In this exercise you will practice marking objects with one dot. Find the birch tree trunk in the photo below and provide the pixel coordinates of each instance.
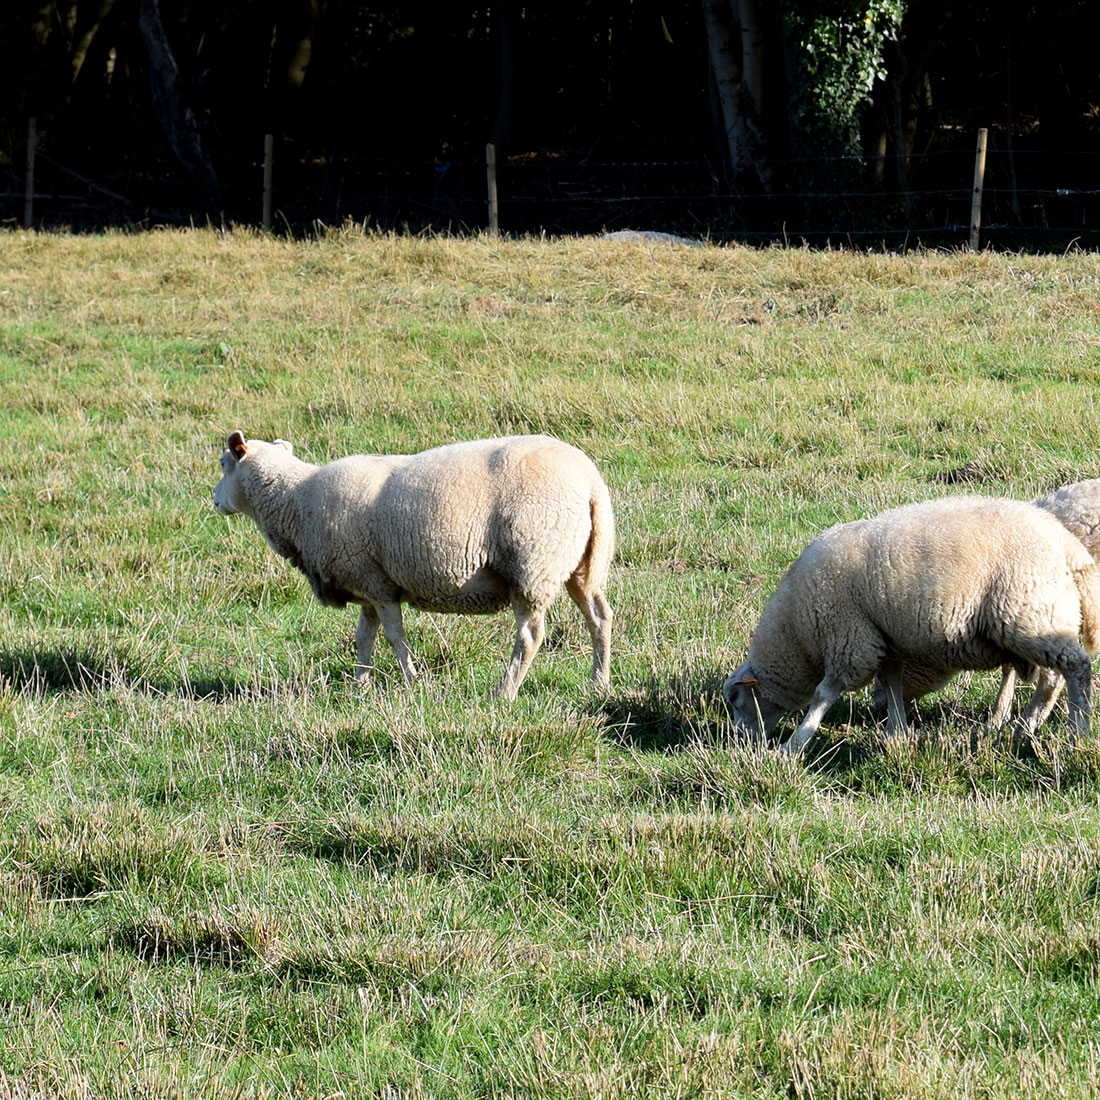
(735, 44)
(174, 113)
(725, 61)
(752, 88)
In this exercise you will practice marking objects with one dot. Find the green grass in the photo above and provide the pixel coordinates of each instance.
(227, 870)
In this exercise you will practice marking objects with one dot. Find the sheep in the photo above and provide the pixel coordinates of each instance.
(468, 529)
(1077, 506)
(959, 583)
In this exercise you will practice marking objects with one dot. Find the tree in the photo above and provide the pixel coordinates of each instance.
(839, 55)
(736, 49)
(171, 104)
(797, 83)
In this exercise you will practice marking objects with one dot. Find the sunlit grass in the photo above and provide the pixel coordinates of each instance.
(227, 870)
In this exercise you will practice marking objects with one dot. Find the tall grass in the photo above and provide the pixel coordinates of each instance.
(227, 870)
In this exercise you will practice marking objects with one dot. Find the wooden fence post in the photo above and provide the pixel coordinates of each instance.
(269, 157)
(491, 174)
(976, 201)
(28, 191)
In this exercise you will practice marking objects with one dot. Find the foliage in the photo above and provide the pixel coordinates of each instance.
(840, 55)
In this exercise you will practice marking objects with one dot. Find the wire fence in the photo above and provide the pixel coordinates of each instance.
(1032, 199)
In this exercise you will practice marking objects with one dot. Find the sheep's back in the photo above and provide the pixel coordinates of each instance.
(461, 526)
(1077, 507)
(943, 581)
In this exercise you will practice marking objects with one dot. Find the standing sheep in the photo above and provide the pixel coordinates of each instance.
(1077, 506)
(961, 583)
(469, 529)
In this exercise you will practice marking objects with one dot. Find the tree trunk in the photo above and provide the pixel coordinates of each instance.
(506, 37)
(170, 105)
(735, 43)
(725, 63)
(302, 54)
(752, 88)
(81, 45)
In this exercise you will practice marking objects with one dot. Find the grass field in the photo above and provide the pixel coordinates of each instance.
(226, 870)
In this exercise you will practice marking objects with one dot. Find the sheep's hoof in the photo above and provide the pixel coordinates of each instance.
(363, 678)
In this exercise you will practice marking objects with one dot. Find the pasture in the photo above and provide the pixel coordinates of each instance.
(226, 870)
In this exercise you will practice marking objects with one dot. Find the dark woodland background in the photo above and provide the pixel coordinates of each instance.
(832, 122)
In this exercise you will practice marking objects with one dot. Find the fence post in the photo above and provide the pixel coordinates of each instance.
(976, 201)
(28, 191)
(269, 157)
(491, 174)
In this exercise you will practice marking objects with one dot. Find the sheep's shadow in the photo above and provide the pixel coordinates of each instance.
(852, 735)
(672, 713)
(52, 671)
(57, 671)
(667, 713)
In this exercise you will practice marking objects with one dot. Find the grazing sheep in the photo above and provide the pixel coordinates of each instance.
(1077, 506)
(961, 583)
(468, 529)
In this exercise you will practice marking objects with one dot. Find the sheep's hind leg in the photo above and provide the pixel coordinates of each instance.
(1071, 660)
(890, 675)
(598, 615)
(390, 615)
(1076, 667)
(366, 631)
(530, 630)
(1048, 687)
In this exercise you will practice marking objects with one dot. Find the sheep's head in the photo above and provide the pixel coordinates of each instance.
(230, 494)
(228, 498)
(754, 715)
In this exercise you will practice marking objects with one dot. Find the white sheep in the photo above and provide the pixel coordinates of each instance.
(960, 583)
(469, 528)
(1077, 506)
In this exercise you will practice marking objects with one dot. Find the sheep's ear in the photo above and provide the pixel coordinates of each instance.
(236, 445)
(288, 446)
(748, 678)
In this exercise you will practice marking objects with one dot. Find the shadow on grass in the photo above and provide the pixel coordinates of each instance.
(951, 748)
(52, 670)
(673, 713)
(73, 670)
(852, 738)
(687, 709)
(668, 713)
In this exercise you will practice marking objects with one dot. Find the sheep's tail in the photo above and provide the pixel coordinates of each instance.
(595, 565)
(1088, 588)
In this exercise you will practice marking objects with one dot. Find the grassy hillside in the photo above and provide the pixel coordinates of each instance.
(226, 870)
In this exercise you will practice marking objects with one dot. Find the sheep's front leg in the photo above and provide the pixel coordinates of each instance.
(366, 631)
(890, 674)
(392, 627)
(530, 629)
(826, 694)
